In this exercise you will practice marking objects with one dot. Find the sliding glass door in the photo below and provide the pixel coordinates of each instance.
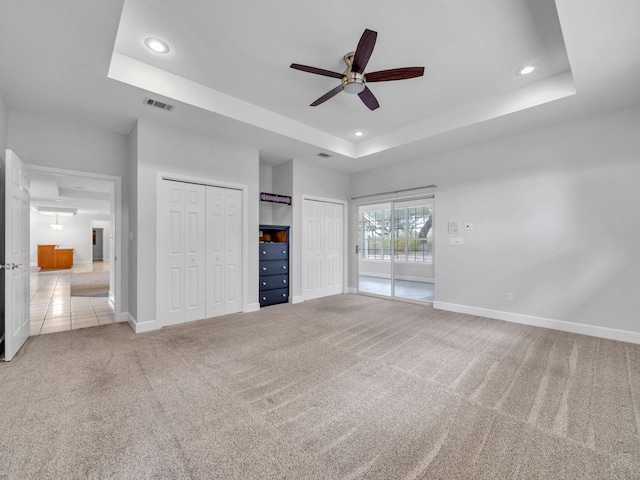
(396, 249)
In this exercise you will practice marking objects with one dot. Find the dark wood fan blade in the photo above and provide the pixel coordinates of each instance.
(364, 50)
(395, 74)
(327, 96)
(368, 99)
(317, 71)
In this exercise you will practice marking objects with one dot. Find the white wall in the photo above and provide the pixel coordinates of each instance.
(76, 234)
(47, 142)
(309, 179)
(555, 221)
(283, 185)
(4, 133)
(266, 185)
(169, 150)
(131, 234)
(4, 126)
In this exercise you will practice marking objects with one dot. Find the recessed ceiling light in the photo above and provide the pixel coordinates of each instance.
(358, 133)
(526, 70)
(156, 45)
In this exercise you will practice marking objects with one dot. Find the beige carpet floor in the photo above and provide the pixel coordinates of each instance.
(90, 284)
(346, 387)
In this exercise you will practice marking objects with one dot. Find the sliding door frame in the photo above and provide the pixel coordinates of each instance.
(392, 202)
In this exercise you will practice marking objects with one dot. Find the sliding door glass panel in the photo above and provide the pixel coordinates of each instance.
(413, 250)
(375, 249)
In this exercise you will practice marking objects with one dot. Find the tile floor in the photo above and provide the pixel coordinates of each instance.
(53, 309)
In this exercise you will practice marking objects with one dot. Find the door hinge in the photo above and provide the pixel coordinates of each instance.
(357, 249)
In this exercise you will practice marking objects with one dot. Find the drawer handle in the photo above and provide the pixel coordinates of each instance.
(284, 251)
(264, 269)
(284, 294)
(284, 267)
(264, 298)
(264, 253)
(264, 283)
(284, 281)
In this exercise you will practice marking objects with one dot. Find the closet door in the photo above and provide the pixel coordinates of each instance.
(194, 253)
(181, 243)
(323, 249)
(313, 249)
(333, 225)
(233, 251)
(224, 251)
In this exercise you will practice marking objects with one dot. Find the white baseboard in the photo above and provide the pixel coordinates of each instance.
(252, 307)
(297, 299)
(581, 328)
(140, 327)
(352, 290)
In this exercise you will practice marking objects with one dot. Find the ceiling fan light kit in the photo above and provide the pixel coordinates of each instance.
(353, 79)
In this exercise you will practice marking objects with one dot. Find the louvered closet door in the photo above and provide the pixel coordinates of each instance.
(181, 276)
(224, 251)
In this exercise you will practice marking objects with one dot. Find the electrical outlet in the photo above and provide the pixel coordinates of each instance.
(456, 241)
(509, 297)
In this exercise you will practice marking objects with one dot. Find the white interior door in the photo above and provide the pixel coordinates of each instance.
(224, 251)
(334, 234)
(194, 252)
(233, 250)
(181, 278)
(323, 249)
(16, 265)
(313, 249)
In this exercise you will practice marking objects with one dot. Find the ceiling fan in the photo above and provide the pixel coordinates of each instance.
(354, 79)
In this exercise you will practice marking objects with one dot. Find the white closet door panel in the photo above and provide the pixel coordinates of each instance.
(233, 250)
(215, 252)
(195, 252)
(334, 222)
(323, 247)
(313, 248)
(170, 269)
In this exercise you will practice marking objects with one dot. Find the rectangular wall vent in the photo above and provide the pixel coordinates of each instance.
(156, 103)
(324, 155)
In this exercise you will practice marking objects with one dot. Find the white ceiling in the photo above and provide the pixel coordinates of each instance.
(63, 192)
(228, 70)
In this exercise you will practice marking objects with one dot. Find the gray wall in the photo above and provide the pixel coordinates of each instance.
(170, 150)
(4, 133)
(555, 220)
(309, 179)
(43, 141)
(131, 234)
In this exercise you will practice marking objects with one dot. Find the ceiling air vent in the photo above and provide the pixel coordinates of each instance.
(324, 155)
(156, 103)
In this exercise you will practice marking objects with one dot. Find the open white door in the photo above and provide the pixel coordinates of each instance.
(16, 264)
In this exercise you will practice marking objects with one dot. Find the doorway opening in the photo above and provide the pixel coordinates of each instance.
(84, 290)
(395, 249)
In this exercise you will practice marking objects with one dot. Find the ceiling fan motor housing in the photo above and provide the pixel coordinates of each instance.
(352, 82)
